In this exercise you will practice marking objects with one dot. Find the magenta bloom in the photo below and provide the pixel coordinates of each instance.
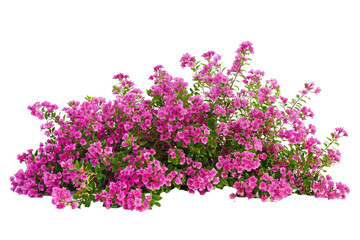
(204, 140)
(187, 60)
(108, 150)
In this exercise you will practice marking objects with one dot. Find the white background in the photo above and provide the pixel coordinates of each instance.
(64, 50)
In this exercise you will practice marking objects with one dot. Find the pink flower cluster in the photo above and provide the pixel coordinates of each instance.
(35, 109)
(61, 197)
(326, 188)
(227, 130)
(25, 184)
(187, 60)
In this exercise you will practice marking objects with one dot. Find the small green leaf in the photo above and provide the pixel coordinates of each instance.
(89, 165)
(211, 123)
(197, 150)
(123, 118)
(115, 168)
(224, 181)
(156, 197)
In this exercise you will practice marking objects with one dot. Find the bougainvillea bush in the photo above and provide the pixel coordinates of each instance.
(230, 128)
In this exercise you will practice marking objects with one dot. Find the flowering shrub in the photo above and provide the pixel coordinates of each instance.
(229, 129)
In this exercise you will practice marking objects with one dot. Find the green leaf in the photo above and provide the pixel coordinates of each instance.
(156, 197)
(115, 168)
(115, 161)
(212, 143)
(224, 181)
(99, 177)
(88, 98)
(197, 150)
(102, 167)
(123, 118)
(316, 177)
(149, 91)
(211, 123)
(57, 168)
(87, 203)
(220, 185)
(203, 152)
(170, 167)
(89, 165)
(179, 96)
(121, 156)
(176, 160)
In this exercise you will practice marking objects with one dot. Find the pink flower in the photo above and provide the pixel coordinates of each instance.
(83, 142)
(178, 181)
(304, 92)
(74, 205)
(120, 76)
(265, 177)
(225, 131)
(209, 187)
(196, 140)
(283, 99)
(204, 140)
(128, 126)
(275, 168)
(124, 144)
(108, 150)
(262, 186)
(111, 124)
(60, 205)
(147, 155)
(95, 127)
(187, 60)
(181, 135)
(172, 153)
(208, 55)
(236, 103)
(218, 165)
